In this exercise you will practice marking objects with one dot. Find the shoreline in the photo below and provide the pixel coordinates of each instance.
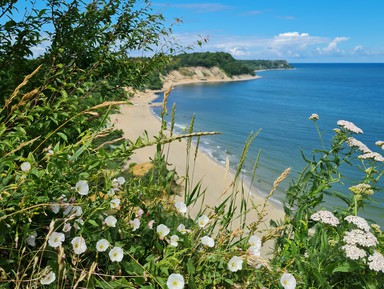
(134, 119)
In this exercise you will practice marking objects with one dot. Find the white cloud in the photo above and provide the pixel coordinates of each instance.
(332, 46)
(202, 7)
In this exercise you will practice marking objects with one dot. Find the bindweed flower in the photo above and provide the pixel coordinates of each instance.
(162, 230)
(135, 223)
(118, 182)
(82, 187)
(254, 251)
(202, 221)
(207, 241)
(175, 281)
(353, 252)
(360, 222)
(79, 246)
(139, 213)
(111, 192)
(314, 117)
(55, 208)
(362, 189)
(31, 239)
(376, 262)
(116, 254)
(288, 281)
(115, 203)
(181, 228)
(349, 126)
(174, 240)
(56, 239)
(25, 167)
(181, 207)
(325, 217)
(359, 237)
(110, 221)
(254, 241)
(48, 278)
(150, 224)
(102, 245)
(67, 227)
(235, 264)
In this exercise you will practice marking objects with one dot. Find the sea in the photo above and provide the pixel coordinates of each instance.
(277, 107)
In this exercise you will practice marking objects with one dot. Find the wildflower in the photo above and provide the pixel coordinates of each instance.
(111, 192)
(288, 281)
(115, 203)
(376, 228)
(55, 208)
(362, 189)
(79, 246)
(175, 281)
(349, 126)
(202, 221)
(116, 254)
(173, 240)
(207, 241)
(325, 217)
(360, 222)
(67, 227)
(56, 239)
(48, 278)
(110, 221)
(314, 117)
(254, 251)
(118, 182)
(150, 224)
(76, 210)
(354, 143)
(359, 237)
(82, 188)
(181, 228)
(372, 155)
(78, 222)
(162, 230)
(181, 207)
(139, 213)
(102, 245)
(235, 264)
(254, 241)
(135, 224)
(25, 167)
(376, 262)
(380, 143)
(353, 252)
(31, 239)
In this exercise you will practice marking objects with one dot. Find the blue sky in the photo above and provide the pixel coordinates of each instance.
(295, 30)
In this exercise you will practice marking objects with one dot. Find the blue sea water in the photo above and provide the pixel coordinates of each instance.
(279, 104)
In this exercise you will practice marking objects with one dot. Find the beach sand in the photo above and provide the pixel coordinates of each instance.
(134, 119)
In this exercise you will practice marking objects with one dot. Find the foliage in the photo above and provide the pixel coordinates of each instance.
(266, 64)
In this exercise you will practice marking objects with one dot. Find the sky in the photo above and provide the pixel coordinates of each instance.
(294, 30)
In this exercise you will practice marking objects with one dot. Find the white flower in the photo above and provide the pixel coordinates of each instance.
(82, 188)
(25, 167)
(254, 241)
(56, 239)
(175, 281)
(173, 240)
(116, 254)
(376, 262)
(360, 222)
(48, 278)
(235, 264)
(111, 192)
(121, 180)
(207, 241)
(79, 246)
(359, 237)
(181, 228)
(181, 207)
(31, 239)
(314, 116)
(67, 227)
(150, 224)
(354, 143)
(254, 250)
(102, 245)
(135, 224)
(115, 203)
(110, 221)
(202, 221)
(139, 213)
(372, 155)
(162, 230)
(288, 281)
(349, 126)
(362, 189)
(353, 252)
(325, 217)
(55, 208)
(78, 222)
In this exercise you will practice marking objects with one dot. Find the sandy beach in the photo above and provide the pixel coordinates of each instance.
(134, 119)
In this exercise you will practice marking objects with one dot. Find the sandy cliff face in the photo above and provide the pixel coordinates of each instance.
(199, 74)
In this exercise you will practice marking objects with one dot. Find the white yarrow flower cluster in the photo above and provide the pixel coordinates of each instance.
(235, 264)
(380, 143)
(373, 156)
(325, 217)
(175, 281)
(314, 117)
(349, 126)
(162, 231)
(207, 241)
(362, 189)
(288, 281)
(353, 252)
(360, 222)
(181, 207)
(354, 143)
(202, 221)
(376, 262)
(359, 237)
(254, 245)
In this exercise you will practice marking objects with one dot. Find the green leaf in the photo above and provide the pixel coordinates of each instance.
(346, 267)
(63, 136)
